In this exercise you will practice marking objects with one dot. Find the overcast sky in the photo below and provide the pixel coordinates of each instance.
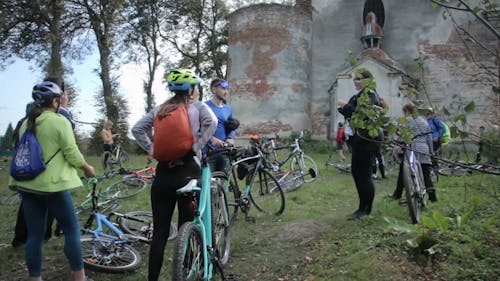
(17, 81)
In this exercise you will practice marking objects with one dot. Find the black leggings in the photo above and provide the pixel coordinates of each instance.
(163, 200)
(426, 171)
(363, 155)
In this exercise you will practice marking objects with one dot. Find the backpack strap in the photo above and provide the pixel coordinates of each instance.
(53, 155)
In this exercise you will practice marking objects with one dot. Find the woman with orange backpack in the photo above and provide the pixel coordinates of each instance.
(182, 126)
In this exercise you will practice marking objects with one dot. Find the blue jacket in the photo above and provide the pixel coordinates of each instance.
(437, 127)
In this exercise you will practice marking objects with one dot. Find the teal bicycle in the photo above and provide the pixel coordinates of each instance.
(202, 246)
(258, 186)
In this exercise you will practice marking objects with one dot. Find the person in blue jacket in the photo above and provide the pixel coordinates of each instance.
(221, 137)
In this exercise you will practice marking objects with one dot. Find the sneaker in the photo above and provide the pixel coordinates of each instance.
(357, 215)
(375, 177)
(393, 197)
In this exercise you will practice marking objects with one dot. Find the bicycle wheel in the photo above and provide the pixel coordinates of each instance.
(453, 171)
(188, 260)
(266, 193)
(306, 165)
(105, 255)
(412, 196)
(220, 224)
(289, 180)
(231, 192)
(125, 188)
(140, 223)
(105, 207)
(343, 168)
(124, 159)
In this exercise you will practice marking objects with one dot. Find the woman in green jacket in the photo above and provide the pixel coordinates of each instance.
(49, 191)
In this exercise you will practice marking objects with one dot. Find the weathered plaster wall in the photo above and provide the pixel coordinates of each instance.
(282, 64)
(269, 68)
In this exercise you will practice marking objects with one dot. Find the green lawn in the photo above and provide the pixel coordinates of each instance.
(313, 240)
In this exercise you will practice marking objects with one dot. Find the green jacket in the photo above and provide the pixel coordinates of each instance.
(54, 132)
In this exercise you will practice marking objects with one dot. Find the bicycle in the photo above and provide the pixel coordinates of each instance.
(107, 251)
(117, 158)
(140, 224)
(413, 181)
(202, 246)
(126, 187)
(299, 161)
(261, 188)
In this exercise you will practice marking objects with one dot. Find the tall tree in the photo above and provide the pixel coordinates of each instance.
(102, 18)
(41, 31)
(7, 140)
(200, 35)
(142, 42)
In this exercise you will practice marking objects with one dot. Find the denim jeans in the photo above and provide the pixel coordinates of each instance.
(36, 208)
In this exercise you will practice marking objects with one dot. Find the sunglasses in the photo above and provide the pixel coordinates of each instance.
(223, 84)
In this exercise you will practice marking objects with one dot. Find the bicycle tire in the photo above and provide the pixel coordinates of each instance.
(229, 188)
(343, 168)
(108, 206)
(125, 188)
(266, 193)
(107, 164)
(220, 224)
(188, 261)
(11, 199)
(140, 224)
(453, 171)
(124, 159)
(306, 167)
(414, 206)
(105, 255)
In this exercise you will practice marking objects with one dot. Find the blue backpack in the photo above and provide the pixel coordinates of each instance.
(27, 162)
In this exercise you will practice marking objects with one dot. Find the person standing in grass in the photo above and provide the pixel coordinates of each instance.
(422, 145)
(173, 174)
(364, 147)
(340, 141)
(49, 192)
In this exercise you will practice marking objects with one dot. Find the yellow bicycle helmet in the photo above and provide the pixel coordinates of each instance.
(182, 79)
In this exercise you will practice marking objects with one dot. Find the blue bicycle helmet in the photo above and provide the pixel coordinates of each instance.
(182, 79)
(45, 91)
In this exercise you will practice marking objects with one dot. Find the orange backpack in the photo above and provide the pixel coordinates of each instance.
(173, 138)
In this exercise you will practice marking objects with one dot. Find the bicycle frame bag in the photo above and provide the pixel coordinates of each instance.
(173, 138)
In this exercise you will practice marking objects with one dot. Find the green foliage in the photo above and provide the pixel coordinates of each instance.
(7, 140)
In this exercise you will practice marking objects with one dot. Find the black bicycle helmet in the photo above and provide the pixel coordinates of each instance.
(231, 124)
(45, 91)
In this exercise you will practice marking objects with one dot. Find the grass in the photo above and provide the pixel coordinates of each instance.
(313, 240)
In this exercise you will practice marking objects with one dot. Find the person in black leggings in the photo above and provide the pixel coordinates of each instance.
(173, 174)
(363, 147)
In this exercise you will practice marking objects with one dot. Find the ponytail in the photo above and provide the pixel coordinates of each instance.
(180, 99)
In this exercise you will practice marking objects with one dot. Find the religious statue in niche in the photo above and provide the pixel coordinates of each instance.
(372, 31)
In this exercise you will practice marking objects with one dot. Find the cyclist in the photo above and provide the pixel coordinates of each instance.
(224, 113)
(422, 145)
(108, 139)
(20, 231)
(48, 193)
(172, 175)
